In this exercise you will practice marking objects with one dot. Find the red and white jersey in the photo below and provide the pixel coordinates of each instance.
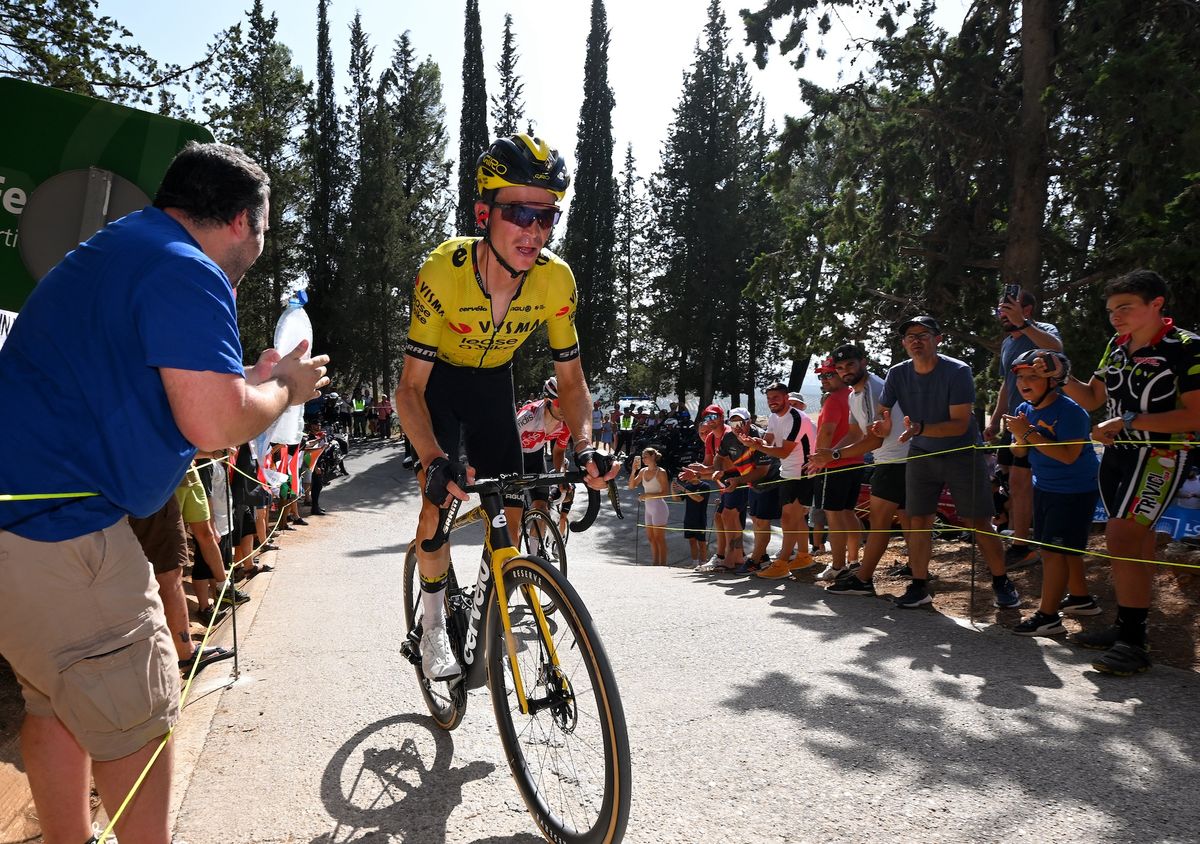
(532, 420)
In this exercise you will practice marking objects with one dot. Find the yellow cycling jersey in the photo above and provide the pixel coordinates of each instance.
(452, 314)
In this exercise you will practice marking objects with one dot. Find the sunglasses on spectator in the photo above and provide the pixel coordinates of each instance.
(524, 216)
(825, 376)
(919, 335)
(710, 417)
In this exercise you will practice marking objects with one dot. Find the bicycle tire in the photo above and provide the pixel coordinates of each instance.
(570, 757)
(446, 701)
(552, 547)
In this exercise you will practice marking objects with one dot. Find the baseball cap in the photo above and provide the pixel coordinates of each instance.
(927, 321)
(714, 409)
(740, 412)
(848, 351)
(824, 366)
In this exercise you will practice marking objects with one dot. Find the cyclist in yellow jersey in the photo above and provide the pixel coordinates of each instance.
(475, 301)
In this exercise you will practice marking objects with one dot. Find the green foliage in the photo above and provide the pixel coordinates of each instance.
(255, 98)
(65, 44)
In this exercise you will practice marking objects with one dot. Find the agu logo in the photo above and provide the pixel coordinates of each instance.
(460, 328)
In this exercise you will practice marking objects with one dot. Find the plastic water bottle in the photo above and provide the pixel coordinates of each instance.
(293, 327)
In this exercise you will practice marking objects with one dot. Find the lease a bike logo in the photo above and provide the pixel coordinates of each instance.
(460, 327)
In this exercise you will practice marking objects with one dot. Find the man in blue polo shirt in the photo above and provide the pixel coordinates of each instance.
(124, 360)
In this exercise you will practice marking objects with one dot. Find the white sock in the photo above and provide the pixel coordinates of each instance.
(434, 605)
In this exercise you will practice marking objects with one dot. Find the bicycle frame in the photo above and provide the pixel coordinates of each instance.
(489, 583)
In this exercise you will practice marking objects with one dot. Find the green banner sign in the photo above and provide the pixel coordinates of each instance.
(77, 164)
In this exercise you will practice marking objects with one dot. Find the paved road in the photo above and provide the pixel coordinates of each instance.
(757, 712)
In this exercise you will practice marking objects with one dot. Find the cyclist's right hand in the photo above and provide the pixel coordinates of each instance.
(444, 479)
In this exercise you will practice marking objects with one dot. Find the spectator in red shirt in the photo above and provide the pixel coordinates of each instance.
(836, 487)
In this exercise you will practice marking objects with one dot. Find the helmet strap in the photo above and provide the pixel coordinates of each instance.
(487, 238)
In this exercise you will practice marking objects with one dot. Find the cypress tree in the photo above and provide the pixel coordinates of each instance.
(590, 236)
(323, 148)
(472, 130)
(507, 107)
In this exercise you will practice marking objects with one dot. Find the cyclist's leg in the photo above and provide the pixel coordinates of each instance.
(490, 433)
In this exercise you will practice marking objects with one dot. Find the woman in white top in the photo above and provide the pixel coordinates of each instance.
(654, 482)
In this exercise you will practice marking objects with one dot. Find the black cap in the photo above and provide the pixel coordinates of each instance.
(927, 321)
(848, 351)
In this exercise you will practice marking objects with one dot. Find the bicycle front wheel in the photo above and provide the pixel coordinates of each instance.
(570, 753)
(447, 701)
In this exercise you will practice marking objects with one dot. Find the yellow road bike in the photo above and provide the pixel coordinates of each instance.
(523, 630)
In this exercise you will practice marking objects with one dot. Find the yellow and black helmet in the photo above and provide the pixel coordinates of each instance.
(522, 161)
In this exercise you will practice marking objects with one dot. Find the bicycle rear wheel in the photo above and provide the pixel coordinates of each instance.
(540, 538)
(570, 754)
(447, 701)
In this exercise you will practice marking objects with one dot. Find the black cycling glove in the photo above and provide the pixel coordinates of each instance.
(587, 454)
(438, 476)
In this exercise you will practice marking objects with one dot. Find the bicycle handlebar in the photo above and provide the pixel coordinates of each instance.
(516, 483)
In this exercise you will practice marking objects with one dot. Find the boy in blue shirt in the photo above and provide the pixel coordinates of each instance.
(1053, 431)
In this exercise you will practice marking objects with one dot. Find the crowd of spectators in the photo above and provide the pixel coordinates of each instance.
(887, 453)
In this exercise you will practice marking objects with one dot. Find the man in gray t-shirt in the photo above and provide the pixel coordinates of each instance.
(1022, 334)
(938, 397)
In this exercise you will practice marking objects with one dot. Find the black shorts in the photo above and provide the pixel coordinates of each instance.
(887, 482)
(205, 470)
(795, 491)
(472, 414)
(764, 502)
(837, 489)
(534, 463)
(1139, 483)
(736, 500)
(1064, 520)
(1006, 456)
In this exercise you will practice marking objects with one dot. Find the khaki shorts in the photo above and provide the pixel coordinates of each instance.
(192, 499)
(82, 625)
(163, 538)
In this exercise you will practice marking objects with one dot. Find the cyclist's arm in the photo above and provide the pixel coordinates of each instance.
(413, 412)
(574, 400)
(558, 457)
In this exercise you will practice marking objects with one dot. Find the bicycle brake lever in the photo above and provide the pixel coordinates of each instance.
(446, 517)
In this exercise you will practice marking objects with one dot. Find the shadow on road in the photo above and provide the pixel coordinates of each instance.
(394, 778)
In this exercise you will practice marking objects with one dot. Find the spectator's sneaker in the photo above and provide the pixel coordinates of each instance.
(712, 565)
(1021, 556)
(747, 567)
(300, 522)
(1005, 596)
(847, 571)
(900, 571)
(820, 547)
(851, 585)
(914, 596)
(1040, 624)
(1079, 605)
(830, 573)
(437, 656)
(1123, 660)
(234, 596)
(801, 562)
(1097, 640)
(777, 570)
(209, 615)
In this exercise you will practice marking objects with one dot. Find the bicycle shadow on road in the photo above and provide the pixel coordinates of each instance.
(394, 778)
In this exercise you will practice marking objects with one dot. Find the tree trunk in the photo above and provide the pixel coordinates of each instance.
(1022, 259)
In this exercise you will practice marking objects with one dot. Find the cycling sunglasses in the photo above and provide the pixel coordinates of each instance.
(524, 216)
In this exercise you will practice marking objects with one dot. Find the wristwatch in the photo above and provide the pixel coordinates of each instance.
(1128, 417)
(836, 454)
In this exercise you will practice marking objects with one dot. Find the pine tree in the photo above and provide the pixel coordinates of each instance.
(635, 334)
(473, 132)
(588, 244)
(507, 107)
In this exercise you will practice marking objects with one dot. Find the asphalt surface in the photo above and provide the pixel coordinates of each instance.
(757, 712)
